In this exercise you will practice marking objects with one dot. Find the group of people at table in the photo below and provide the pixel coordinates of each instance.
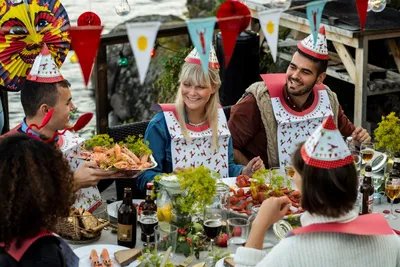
(290, 118)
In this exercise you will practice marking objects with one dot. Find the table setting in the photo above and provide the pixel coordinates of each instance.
(209, 237)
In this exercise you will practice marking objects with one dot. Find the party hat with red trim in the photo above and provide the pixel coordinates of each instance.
(325, 148)
(194, 58)
(44, 69)
(320, 50)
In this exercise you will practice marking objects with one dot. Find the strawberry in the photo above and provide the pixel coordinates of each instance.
(222, 240)
(237, 231)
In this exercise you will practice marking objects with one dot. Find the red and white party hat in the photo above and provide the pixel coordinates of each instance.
(194, 58)
(320, 50)
(44, 69)
(325, 148)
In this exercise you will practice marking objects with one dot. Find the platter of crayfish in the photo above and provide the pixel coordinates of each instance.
(246, 194)
(128, 159)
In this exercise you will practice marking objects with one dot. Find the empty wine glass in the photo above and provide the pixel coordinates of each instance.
(392, 189)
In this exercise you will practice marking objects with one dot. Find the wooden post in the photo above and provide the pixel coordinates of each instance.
(360, 84)
(395, 49)
(101, 90)
(346, 58)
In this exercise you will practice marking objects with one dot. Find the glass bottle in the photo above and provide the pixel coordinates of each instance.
(395, 172)
(149, 205)
(127, 221)
(367, 192)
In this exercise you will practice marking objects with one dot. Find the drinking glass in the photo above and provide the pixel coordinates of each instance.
(289, 171)
(148, 220)
(212, 225)
(165, 235)
(238, 231)
(392, 189)
(367, 151)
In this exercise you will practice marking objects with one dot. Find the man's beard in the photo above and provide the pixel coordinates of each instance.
(303, 91)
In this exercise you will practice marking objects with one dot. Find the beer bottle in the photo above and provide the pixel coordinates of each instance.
(395, 172)
(367, 192)
(127, 221)
(149, 205)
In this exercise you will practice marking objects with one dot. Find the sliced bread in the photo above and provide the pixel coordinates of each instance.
(126, 256)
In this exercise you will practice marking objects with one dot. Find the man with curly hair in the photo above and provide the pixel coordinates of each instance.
(33, 175)
(46, 89)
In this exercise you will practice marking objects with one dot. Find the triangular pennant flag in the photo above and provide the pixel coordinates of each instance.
(362, 6)
(314, 13)
(85, 42)
(233, 18)
(141, 37)
(201, 32)
(269, 21)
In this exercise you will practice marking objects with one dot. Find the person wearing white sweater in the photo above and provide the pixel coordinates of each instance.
(329, 191)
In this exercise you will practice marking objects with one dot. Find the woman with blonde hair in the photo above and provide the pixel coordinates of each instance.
(194, 131)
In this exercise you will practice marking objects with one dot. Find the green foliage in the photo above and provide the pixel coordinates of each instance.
(167, 83)
(137, 145)
(276, 182)
(99, 140)
(218, 3)
(218, 254)
(387, 133)
(199, 186)
(152, 259)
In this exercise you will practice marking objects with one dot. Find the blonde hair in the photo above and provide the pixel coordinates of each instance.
(193, 74)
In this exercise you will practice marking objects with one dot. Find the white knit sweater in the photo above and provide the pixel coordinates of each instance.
(325, 249)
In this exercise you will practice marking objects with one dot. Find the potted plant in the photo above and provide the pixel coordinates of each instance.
(387, 133)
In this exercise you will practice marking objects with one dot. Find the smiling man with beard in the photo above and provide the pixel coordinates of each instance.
(284, 109)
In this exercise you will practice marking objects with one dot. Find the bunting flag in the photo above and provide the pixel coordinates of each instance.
(201, 32)
(85, 41)
(362, 6)
(141, 37)
(233, 18)
(269, 21)
(314, 14)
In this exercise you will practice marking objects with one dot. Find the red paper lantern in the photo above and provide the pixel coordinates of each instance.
(89, 18)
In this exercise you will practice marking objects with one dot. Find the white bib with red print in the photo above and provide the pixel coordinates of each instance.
(295, 127)
(198, 152)
(88, 198)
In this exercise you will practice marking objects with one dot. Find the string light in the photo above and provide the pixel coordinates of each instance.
(123, 61)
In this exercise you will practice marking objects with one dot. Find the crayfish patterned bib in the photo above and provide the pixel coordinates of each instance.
(187, 154)
(295, 127)
(88, 198)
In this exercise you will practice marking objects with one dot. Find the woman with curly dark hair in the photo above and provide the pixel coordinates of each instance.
(36, 188)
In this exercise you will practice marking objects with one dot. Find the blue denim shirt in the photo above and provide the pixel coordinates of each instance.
(160, 143)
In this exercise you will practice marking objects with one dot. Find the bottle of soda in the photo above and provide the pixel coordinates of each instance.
(367, 192)
(149, 205)
(127, 221)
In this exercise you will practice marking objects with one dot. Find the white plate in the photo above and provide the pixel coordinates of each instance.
(220, 263)
(84, 253)
(112, 208)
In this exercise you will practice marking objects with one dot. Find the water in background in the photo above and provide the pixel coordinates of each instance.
(83, 98)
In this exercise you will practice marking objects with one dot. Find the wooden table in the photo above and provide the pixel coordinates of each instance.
(342, 37)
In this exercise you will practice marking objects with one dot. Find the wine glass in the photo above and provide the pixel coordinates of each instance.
(289, 171)
(148, 220)
(367, 151)
(212, 225)
(392, 189)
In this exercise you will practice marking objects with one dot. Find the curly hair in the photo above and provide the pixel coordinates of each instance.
(36, 187)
